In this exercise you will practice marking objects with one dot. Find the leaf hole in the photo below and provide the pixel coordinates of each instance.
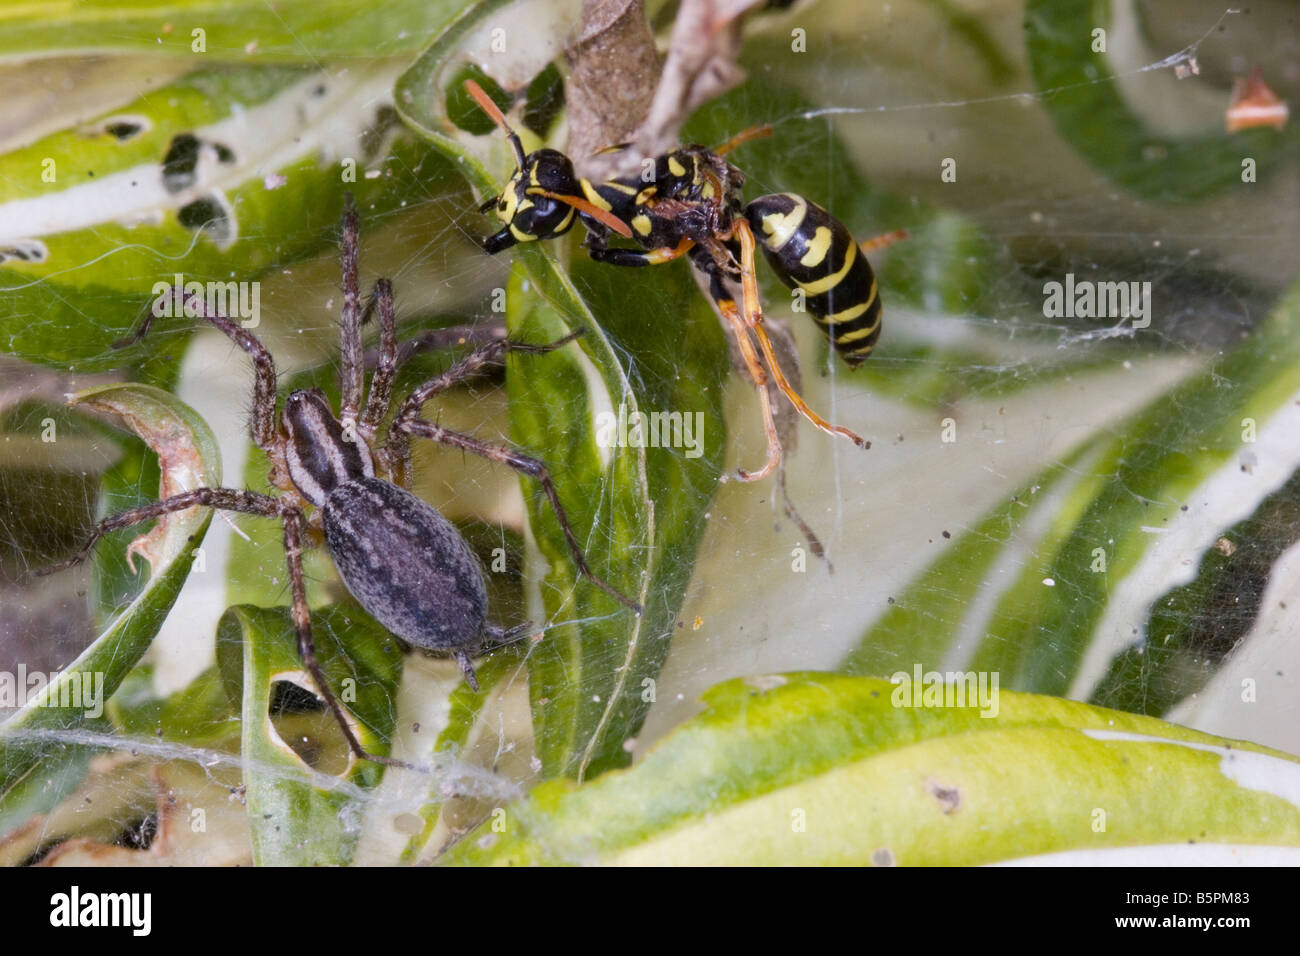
(305, 725)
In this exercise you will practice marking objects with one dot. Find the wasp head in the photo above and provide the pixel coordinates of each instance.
(533, 205)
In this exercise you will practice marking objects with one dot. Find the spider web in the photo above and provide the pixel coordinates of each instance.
(902, 90)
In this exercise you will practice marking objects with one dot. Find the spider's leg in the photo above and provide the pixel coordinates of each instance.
(497, 637)
(435, 340)
(501, 636)
(472, 364)
(381, 383)
(396, 443)
(467, 668)
(225, 499)
(754, 320)
(528, 466)
(350, 324)
(395, 449)
(262, 421)
(467, 367)
(391, 356)
(431, 340)
(293, 531)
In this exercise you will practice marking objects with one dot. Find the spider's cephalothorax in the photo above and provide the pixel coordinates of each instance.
(406, 564)
(688, 202)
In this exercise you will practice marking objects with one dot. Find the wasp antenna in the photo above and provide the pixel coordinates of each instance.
(491, 109)
(590, 209)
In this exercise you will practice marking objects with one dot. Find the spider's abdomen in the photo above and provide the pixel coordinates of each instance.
(405, 564)
(811, 250)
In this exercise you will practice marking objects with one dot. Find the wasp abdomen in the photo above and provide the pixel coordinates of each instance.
(811, 250)
(406, 564)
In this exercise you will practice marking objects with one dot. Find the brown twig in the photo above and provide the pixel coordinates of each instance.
(614, 66)
(700, 65)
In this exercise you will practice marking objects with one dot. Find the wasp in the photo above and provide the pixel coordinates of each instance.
(688, 203)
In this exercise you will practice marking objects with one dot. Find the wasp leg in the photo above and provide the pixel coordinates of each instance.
(759, 376)
(879, 242)
(726, 307)
(754, 320)
(637, 257)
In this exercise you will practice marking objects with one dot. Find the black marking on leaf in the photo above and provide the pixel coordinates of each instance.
(949, 798)
(25, 250)
(179, 166)
(213, 214)
(123, 130)
(199, 213)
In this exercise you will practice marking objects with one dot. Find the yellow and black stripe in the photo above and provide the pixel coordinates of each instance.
(810, 249)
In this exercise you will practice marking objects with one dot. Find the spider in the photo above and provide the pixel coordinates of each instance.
(405, 563)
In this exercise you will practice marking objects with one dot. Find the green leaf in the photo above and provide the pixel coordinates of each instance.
(198, 715)
(819, 769)
(304, 31)
(1087, 104)
(923, 624)
(224, 158)
(189, 458)
(433, 84)
(637, 511)
(301, 816)
(970, 28)
(1193, 628)
(1117, 488)
(43, 788)
(1039, 633)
